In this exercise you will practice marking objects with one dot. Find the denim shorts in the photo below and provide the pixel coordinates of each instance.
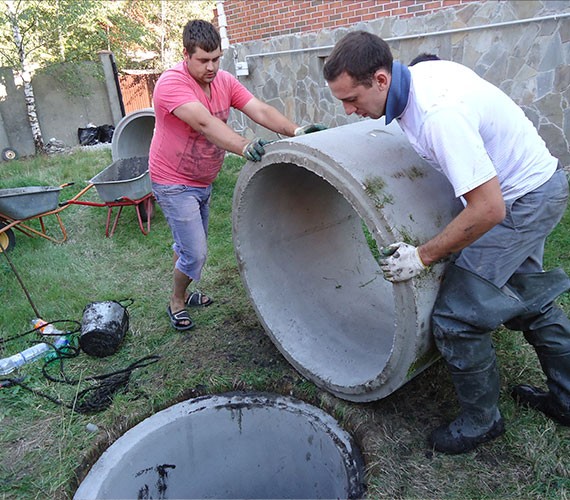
(516, 245)
(187, 210)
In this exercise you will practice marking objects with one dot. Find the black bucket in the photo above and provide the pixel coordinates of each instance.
(103, 328)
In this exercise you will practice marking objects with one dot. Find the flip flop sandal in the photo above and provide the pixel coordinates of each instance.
(180, 320)
(195, 299)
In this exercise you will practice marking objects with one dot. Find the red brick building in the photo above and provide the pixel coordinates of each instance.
(249, 20)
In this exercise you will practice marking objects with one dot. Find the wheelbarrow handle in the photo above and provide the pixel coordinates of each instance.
(78, 195)
(67, 184)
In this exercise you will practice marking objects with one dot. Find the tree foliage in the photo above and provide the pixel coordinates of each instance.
(142, 34)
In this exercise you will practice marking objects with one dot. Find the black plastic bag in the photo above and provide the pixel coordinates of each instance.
(105, 133)
(88, 136)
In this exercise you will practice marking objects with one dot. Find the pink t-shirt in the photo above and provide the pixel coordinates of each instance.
(179, 154)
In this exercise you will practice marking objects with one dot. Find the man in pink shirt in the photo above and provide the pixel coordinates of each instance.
(192, 103)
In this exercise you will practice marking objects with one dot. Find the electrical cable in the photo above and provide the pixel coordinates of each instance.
(90, 400)
(100, 395)
(66, 331)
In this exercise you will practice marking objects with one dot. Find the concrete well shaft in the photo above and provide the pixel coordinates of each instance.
(300, 222)
(235, 445)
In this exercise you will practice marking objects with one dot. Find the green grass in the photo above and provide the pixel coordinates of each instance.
(46, 448)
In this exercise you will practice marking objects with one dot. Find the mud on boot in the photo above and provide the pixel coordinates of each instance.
(543, 401)
(451, 439)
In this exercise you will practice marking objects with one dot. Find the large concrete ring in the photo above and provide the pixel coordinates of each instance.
(237, 445)
(133, 135)
(301, 219)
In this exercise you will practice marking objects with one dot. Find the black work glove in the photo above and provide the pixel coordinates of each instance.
(309, 129)
(254, 150)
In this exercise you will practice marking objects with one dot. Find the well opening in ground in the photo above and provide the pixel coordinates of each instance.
(239, 445)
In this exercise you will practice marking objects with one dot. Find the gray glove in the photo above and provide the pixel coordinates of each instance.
(309, 129)
(254, 150)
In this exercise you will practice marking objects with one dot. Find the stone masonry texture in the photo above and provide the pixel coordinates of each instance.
(522, 46)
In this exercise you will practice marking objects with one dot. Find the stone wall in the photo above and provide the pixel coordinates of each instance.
(523, 47)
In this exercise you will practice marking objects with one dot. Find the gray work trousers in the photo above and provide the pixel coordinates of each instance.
(516, 245)
(464, 318)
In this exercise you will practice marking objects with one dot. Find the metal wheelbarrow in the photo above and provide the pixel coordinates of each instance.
(19, 206)
(125, 182)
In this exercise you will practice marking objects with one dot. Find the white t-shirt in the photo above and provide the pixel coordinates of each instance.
(471, 131)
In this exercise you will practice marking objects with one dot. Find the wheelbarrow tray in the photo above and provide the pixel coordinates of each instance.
(125, 178)
(26, 202)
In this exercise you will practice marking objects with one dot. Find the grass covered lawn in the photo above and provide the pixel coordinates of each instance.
(47, 448)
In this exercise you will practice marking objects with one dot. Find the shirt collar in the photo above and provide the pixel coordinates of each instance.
(399, 91)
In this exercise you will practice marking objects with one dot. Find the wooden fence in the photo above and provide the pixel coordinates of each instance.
(137, 90)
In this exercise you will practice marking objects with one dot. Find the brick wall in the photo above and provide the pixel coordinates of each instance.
(249, 20)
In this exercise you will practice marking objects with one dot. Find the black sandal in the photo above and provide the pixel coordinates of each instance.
(180, 320)
(195, 299)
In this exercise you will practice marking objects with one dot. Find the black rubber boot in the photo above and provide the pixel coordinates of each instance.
(479, 420)
(445, 439)
(547, 328)
(533, 397)
(467, 309)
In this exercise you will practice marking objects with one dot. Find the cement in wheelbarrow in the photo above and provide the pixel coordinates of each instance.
(26, 202)
(125, 178)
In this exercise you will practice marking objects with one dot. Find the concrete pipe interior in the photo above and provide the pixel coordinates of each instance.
(250, 445)
(133, 135)
(301, 220)
(307, 268)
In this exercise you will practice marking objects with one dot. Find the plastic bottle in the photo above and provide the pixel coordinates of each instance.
(9, 364)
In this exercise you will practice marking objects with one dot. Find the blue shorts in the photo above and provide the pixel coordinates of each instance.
(187, 210)
(516, 245)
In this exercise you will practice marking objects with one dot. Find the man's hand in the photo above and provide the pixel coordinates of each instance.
(308, 129)
(254, 150)
(400, 262)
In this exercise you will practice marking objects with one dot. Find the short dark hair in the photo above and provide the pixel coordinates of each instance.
(360, 54)
(202, 34)
(423, 57)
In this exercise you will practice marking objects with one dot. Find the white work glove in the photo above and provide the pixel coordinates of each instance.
(400, 262)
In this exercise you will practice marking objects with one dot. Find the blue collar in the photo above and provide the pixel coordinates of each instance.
(398, 92)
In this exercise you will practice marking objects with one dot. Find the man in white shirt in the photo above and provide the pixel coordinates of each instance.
(514, 193)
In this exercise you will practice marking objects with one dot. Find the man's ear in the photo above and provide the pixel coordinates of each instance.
(185, 54)
(382, 79)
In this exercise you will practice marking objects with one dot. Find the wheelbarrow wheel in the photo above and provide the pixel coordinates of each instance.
(7, 238)
(147, 215)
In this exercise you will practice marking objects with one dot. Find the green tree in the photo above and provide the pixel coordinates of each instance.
(142, 34)
(163, 22)
(21, 27)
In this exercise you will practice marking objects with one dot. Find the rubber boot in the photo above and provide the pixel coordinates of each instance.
(467, 309)
(547, 328)
(479, 420)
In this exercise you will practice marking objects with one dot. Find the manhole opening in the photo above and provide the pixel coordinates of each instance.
(238, 445)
